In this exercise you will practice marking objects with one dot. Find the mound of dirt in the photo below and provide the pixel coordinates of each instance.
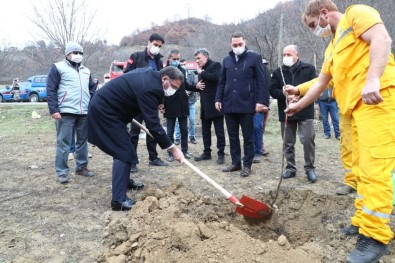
(175, 225)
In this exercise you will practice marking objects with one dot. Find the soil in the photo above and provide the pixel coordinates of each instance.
(179, 217)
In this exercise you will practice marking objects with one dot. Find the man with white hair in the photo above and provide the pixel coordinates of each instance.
(295, 72)
(69, 89)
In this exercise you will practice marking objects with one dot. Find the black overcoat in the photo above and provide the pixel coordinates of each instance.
(210, 77)
(115, 105)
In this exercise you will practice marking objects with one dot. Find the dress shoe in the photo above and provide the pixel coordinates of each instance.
(311, 176)
(133, 168)
(221, 159)
(122, 206)
(157, 162)
(245, 172)
(202, 157)
(187, 155)
(84, 172)
(289, 174)
(134, 185)
(193, 140)
(232, 168)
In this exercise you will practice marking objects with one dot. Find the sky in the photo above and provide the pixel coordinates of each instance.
(119, 18)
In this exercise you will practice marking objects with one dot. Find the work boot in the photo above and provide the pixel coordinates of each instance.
(345, 190)
(367, 250)
(350, 230)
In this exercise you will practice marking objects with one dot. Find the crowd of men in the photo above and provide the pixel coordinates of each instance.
(358, 71)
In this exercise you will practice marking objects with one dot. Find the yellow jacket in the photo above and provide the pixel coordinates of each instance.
(347, 57)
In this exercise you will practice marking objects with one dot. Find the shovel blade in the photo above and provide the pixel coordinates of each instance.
(253, 208)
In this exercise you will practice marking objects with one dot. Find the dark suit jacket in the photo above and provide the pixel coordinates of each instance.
(117, 103)
(242, 83)
(210, 77)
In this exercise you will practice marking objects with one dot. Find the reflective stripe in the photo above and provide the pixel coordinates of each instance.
(377, 214)
(359, 196)
(343, 34)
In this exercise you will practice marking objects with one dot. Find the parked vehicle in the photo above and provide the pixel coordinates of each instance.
(38, 88)
(116, 68)
(33, 90)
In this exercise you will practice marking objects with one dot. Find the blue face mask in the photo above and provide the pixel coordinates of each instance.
(174, 63)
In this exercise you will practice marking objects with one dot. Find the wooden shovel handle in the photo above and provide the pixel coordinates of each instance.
(228, 195)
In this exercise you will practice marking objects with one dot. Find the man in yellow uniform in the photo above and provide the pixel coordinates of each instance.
(359, 60)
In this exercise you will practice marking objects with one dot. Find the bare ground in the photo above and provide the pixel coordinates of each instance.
(178, 217)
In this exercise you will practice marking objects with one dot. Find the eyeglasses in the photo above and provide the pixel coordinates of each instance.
(107, 77)
(77, 53)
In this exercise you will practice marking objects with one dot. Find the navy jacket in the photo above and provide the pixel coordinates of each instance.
(295, 75)
(242, 83)
(140, 60)
(117, 103)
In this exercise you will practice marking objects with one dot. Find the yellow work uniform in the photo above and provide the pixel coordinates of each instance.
(345, 138)
(373, 126)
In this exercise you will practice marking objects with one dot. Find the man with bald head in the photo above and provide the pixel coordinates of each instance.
(295, 72)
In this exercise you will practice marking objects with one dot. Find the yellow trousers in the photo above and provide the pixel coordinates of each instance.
(373, 162)
(346, 148)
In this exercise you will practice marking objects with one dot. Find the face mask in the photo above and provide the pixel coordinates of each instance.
(174, 63)
(322, 31)
(77, 58)
(170, 90)
(154, 50)
(238, 50)
(288, 61)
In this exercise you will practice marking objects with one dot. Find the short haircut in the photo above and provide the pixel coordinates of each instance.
(314, 8)
(155, 36)
(173, 52)
(202, 51)
(295, 48)
(237, 35)
(172, 73)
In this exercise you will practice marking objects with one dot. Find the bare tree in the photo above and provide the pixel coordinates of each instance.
(61, 21)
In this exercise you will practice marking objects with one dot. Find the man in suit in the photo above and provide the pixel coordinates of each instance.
(138, 92)
(246, 92)
(208, 76)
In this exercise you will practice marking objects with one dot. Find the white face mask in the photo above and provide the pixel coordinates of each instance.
(77, 58)
(238, 50)
(322, 31)
(288, 61)
(170, 90)
(154, 50)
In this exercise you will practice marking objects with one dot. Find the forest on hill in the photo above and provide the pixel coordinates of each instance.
(267, 34)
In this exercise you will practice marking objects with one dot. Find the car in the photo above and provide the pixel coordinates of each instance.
(33, 90)
(38, 88)
(116, 68)
(6, 95)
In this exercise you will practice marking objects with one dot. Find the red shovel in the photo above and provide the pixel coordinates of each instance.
(246, 206)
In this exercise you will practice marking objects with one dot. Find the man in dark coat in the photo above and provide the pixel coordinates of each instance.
(138, 92)
(208, 76)
(176, 107)
(149, 57)
(295, 72)
(241, 92)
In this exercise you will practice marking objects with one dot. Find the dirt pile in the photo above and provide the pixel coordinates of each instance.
(175, 225)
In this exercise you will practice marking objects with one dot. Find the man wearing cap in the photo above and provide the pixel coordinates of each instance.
(69, 89)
